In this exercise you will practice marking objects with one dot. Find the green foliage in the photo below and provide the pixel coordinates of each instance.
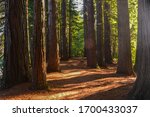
(133, 9)
(77, 30)
(133, 5)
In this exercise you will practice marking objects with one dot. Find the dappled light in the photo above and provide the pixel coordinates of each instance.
(77, 83)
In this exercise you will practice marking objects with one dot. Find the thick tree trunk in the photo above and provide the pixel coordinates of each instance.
(16, 67)
(141, 89)
(63, 32)
(91, 41)
(39, 66)
(100, 39)
(85, 25)
(124, 57)
(107, 31)
(52, 49)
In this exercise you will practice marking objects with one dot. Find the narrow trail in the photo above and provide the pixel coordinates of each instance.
(76, 81)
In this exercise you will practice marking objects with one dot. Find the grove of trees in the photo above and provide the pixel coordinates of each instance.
(36, 35)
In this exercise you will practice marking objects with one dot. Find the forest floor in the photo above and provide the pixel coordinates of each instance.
(76, 82)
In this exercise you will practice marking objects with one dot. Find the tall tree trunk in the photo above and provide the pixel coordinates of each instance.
(100, 39)
(63, 32)
(16, 66)
(85, 25)
(52, 49)
(39, 66)
(70, 28)
(91, 42)
(107, 31)
(124, 57)
(141, 89)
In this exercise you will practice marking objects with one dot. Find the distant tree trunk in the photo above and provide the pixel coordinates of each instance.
(70, 28)
(63, 32)
(16, 66)
(27, 21)
(91, 42)
(107, 31)
(141, 89)
(100, 41)
(39, 67)
(124, 57)
(52, 49)
(85, 25)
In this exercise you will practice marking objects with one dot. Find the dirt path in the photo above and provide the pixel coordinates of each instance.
(76, 82)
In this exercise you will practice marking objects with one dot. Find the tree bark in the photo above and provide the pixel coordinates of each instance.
(52, 49)
(91, 41)
(100, 39)
(85, 25)
(124, 55)
(39, 66)
(16, 61)
(63, 32)
(70, 28)
(141, 89)
(107, 33)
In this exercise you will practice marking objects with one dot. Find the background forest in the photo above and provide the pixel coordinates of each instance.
(77, 26)
(38, 37)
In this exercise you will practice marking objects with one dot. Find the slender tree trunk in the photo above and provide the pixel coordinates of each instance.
(63, 32)
(100, 39)
(107, 31)
(85, 25)
(53, 55)
(124, 56)
(16, 66)
(39, 66)
(70, 28)
(141, 89)
(91, 42)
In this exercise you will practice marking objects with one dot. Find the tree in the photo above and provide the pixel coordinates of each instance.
(100, 39)
(124, 57)
(39, 66)
(70, 27)
(141, 89)
(16, 61)
(85, 24)
(107, 33)
(91, 42)
(63, 31)
(52, 48)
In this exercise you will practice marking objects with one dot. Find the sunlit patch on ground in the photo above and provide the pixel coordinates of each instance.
(77, 82)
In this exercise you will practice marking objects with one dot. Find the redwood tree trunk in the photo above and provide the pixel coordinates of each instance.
(63, 32)
(52, 48)
(141, 89)
(91, 42)
(107, 32)
(70, 28)
(85, 25)
(39, 66)
(16, 66)
(124, 58)
(100, 39)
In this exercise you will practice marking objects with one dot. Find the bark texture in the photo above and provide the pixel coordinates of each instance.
(52, 48)
(63, 31)
(100, 36)
(91, 41)
(107, 33)
(124, 55)
(39, 66)
(141, 89)
(85, 25)
(70, 28)
(16, 61)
